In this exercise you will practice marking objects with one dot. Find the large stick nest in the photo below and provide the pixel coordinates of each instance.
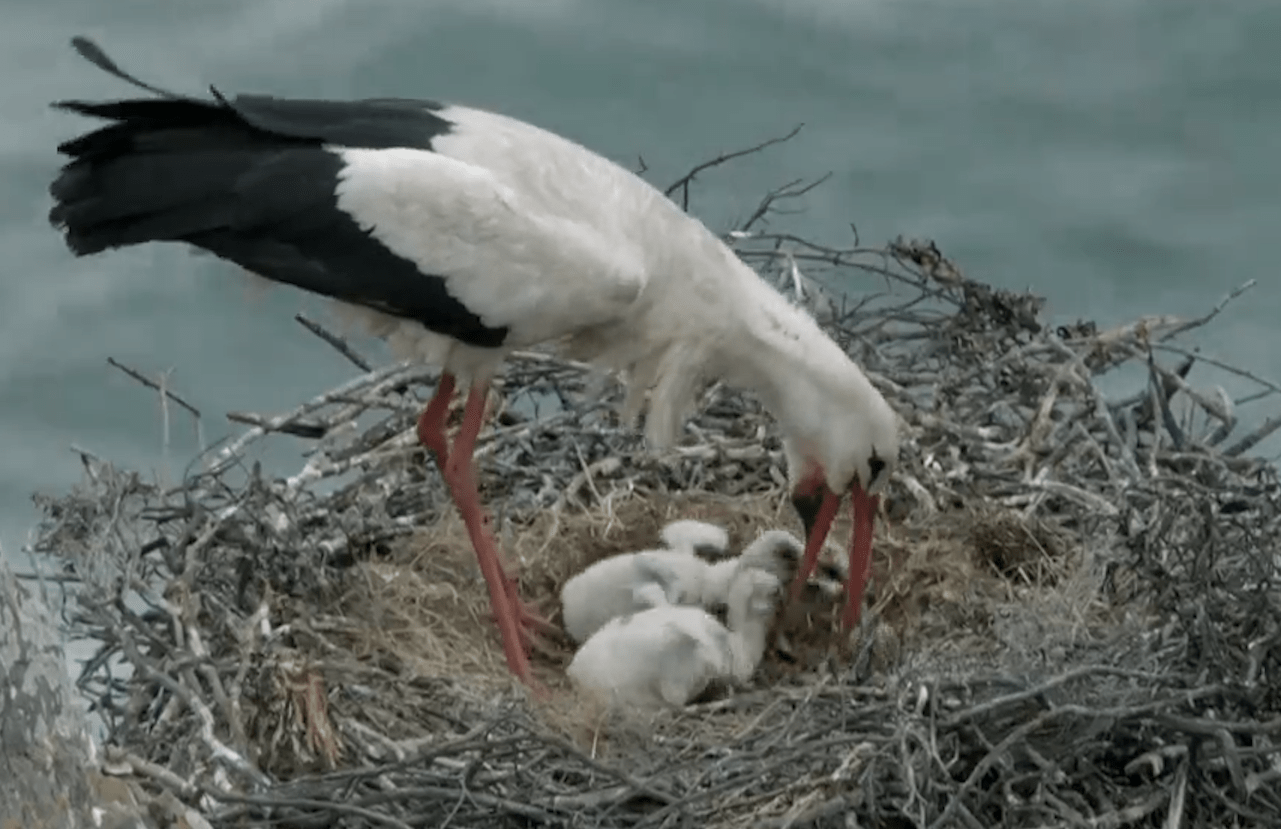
(1075, 616)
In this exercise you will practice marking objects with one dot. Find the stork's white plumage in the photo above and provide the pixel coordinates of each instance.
(669, 655)
(460, 235)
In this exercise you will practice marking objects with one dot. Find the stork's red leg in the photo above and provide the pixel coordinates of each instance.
(509, 611)
(464, 444)
(431, 424)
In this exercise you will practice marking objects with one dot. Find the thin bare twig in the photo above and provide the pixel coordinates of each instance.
(682, 184)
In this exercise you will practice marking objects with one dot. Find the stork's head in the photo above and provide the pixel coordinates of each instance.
(847, 444)
(839, 434)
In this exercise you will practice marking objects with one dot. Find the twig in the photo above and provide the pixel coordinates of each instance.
(275, 802)
(1184, 327)
(299, 429)
(152, 384)
(340, 344)
(1251, 440)
(686, 180)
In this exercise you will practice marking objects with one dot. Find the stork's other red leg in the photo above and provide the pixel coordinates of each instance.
(431, 424)
(510, 612)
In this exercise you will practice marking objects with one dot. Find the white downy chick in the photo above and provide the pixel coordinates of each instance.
(668, 655)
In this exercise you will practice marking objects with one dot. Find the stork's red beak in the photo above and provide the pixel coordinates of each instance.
(863, 508)
(816, 505)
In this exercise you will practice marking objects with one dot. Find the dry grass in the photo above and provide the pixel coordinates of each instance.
(947, 582)
(425, 605)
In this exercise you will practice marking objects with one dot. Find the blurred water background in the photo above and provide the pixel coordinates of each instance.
(1115, 156)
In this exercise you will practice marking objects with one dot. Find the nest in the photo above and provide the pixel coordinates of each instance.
(1074, 617)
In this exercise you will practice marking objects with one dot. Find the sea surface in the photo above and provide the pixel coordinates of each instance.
(1119, 157)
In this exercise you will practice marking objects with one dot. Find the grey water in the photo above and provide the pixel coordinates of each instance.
(1118, 157)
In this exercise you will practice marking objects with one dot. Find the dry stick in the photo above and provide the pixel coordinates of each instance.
(1184, 327)
(1246, 443)
(166, 394)
(398, 373)
(339, 343)
(792, 190)
(630, 782)
(480, 798)
(1049, 685)
(118, 757)
(305, 803)
(219, 750)
(164, 418)
(152, 384)
(1104, 414)
(1210, 406)
(310, 430)
(1116, 712)
(686, 180)
(1161, 399)
(1223, 429)
(1174, 818)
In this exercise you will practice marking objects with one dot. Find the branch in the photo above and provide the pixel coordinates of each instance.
(686, 180)
(339, 343)
(152, 384)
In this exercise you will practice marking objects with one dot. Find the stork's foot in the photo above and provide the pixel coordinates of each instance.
(532, 619)
(533, 626)
(530, 615)
(512, 617)
(533, 639)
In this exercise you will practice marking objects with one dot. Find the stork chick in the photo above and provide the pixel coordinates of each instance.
(668, 655)
(696, 537)
(629, 582)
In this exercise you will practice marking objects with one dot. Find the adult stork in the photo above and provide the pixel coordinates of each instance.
(460, 235)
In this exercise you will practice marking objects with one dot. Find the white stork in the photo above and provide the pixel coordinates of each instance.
(461, 235)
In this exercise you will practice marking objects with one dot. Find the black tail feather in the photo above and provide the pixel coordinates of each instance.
(164, 168)
(93, 53)
(254, 180)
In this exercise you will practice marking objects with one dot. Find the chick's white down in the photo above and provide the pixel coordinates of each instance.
(627, 583)
(668, 655)
(696, 537)
(774, 551)
(631, 582)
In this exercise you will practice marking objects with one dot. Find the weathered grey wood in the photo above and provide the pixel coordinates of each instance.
(47, 776)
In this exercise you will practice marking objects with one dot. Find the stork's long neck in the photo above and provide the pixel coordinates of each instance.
(718, 320)
(777, 351)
